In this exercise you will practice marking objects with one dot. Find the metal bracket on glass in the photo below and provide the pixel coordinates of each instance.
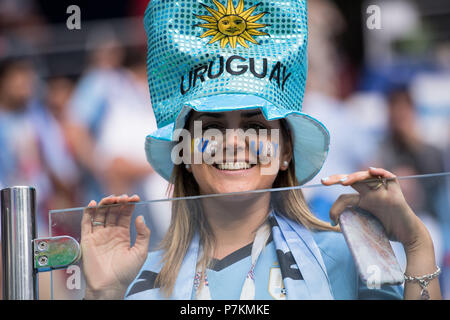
(55, 253)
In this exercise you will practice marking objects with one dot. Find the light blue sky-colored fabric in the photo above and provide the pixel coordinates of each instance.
(340, 271)
(227, 283)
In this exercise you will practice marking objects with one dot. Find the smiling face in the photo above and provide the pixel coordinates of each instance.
(239, 169)
(232, 25)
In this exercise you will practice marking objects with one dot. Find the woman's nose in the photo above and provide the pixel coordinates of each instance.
(235, 142)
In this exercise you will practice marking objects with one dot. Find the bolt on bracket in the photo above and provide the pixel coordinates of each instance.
(55, 253)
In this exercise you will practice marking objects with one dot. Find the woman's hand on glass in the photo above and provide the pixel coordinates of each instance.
(109, 262)
(384, 199)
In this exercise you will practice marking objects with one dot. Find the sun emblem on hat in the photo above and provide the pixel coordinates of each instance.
(232, 25)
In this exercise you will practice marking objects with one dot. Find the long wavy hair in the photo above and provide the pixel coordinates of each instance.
(188, 218)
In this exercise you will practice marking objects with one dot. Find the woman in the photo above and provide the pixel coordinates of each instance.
(231, 83)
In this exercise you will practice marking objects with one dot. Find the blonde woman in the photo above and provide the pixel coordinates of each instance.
(221, 70)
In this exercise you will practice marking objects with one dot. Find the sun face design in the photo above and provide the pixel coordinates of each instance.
(232, 25)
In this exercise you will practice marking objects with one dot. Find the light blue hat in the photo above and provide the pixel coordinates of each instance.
(220, 55)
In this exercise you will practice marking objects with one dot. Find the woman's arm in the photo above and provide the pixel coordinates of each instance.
(386, 202)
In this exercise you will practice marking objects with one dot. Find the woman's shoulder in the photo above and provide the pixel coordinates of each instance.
(342, 271)
(332, 244)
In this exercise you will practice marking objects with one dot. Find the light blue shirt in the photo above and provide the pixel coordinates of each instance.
(226, 278)
(227, 282)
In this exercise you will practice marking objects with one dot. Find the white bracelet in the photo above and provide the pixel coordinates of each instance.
(423, 282)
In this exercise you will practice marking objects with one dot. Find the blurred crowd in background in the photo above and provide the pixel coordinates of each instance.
(75, 107)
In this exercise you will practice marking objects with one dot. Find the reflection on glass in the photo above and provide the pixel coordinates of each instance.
(69, 283)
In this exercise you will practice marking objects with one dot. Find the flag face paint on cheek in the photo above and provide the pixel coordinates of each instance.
(210, 150)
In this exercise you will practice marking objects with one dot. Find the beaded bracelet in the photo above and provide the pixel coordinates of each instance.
(423, 282)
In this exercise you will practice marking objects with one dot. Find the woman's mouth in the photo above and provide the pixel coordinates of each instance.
(233, 166)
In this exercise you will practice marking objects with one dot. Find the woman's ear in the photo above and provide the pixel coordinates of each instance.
(286, 148)
(285, 159)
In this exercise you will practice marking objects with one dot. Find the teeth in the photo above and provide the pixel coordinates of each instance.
(233, 166)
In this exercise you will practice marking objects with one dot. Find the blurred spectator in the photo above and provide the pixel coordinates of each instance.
(112, 113)
(22, 27)
(88, 107)
(62, 168)
(405, 153)
(404, 147)
(323, 57)
(323, 100)
(21, 157)
(128, 120)
(34, 151)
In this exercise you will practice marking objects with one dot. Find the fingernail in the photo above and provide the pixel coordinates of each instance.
(325, 179)
(333, 223)
(343, 179)
(372, 168)
(123, 196)
(143, 219)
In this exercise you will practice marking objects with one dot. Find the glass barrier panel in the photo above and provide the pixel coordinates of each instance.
(357, 238)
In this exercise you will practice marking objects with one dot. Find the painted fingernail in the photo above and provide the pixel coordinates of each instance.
(333, 223)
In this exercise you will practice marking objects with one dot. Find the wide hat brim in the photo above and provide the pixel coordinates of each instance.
(310, 137)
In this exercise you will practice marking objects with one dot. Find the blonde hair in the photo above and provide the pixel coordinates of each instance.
(188, 218)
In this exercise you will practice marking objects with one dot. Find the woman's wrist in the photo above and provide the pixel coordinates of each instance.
(421, 242)
(421, 262)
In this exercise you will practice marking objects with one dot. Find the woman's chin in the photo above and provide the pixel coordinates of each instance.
(236, 193)
(235, 188)
(235, 185)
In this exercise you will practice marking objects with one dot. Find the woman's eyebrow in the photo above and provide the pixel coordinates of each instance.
(250, 114)
(219, 115)
(216, 115)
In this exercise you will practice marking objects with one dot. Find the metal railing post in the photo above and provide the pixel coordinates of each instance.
(18, 210)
